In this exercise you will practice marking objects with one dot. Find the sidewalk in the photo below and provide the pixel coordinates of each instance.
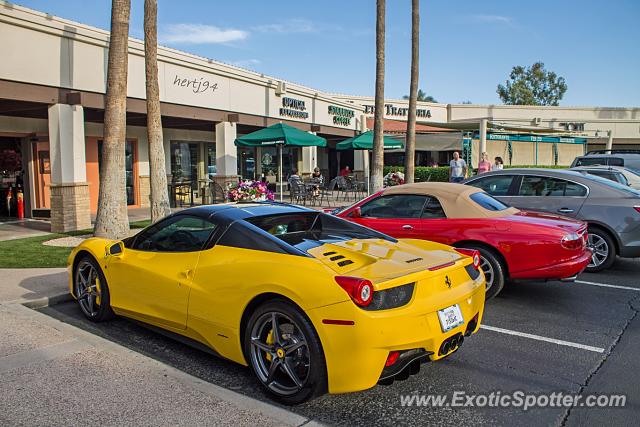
(13, 228)
(52, 373)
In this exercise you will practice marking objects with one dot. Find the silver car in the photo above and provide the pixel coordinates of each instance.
(612, 210)
(613, 173)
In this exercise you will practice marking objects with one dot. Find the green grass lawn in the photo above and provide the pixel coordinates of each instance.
(31, 253)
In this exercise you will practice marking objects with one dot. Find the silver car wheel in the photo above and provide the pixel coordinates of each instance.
(487, 269)
(599, 249)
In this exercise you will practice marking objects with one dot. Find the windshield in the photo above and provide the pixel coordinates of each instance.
(306, 230)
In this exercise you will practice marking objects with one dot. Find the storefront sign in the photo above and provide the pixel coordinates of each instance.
(392, 110)
(196, 85)
(341, 116)
(294, 108)
(532, 138)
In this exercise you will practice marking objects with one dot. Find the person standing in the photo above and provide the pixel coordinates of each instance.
(457, 168)
(484, 165)
(498, 164)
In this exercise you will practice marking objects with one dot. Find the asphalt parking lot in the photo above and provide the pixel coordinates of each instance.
(581, 337)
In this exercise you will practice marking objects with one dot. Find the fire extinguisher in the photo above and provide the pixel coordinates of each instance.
(9, 197)
(20, 202)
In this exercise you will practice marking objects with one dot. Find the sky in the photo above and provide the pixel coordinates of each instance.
(467, 47)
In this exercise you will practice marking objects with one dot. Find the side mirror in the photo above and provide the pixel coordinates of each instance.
(356, 213)
(115, 249)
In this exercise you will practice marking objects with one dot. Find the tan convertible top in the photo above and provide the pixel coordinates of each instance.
(454, 199)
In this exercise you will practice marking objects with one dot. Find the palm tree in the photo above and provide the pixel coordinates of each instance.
(410, 146)
(422, 96)
(377, 155)
(112, 220)
(157, 169)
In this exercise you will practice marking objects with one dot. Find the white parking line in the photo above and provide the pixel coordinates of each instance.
(541, 338)
(604, 285)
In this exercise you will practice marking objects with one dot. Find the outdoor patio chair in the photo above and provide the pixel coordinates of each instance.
(298, 192)
(326, 193)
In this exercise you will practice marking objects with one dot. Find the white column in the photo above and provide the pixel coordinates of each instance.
(70, 209)
(67, 144)
(610, 140)
(226, 151)
(483, 138)
(309, 159)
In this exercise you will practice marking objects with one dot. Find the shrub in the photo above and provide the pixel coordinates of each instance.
(441, 174)
(424, 173)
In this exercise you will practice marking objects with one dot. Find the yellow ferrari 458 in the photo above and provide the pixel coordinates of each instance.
(311, 302)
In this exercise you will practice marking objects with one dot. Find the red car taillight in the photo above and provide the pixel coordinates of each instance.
(637, 208)
(392, 358)
(473, 253)
(572, 242)
(360, 290)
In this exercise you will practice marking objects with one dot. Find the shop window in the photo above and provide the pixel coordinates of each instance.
(184, 161)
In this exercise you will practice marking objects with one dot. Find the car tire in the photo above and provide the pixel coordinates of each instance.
(492, 267)
(263, 349)
(600, 241)
(91, 290)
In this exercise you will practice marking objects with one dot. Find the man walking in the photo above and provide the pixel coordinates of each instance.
(457, 168)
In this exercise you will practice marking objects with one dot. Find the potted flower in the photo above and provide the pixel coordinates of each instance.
(249, 191)
(393, 178)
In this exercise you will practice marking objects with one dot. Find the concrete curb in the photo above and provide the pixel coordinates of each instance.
(241, 401)
(45, 301)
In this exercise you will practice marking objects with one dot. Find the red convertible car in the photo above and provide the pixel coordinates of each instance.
(513, 244)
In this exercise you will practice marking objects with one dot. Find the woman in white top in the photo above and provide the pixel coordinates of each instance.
(498, 165)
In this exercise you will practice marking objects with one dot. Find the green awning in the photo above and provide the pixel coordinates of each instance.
(280, 134)
(364, 141)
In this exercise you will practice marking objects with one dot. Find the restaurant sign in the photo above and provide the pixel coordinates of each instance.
(294, 108)
(341, 116)
(392, 110)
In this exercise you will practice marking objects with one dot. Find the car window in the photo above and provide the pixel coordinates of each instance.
(604, 174)
(182, 233)
(591, 161)
(550, 187)
(497, 185)
(243, 236)
(488, 202)
(396, 206)
(433, 209)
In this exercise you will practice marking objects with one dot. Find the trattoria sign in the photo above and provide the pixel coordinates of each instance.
(392, 110)
(341, 116)
(294, 108)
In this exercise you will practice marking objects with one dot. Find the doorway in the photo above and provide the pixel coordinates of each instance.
(11, 175)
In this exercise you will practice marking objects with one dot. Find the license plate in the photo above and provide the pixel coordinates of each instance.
(450, 317)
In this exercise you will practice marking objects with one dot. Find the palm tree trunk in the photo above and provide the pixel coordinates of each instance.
(112, 220)
(410, 146)
(157, 169)
(378, 115)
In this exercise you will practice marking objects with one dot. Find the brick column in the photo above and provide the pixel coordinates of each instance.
(70, 209)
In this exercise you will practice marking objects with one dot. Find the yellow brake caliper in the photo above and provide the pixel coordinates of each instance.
(98, 290)
(269, 341)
